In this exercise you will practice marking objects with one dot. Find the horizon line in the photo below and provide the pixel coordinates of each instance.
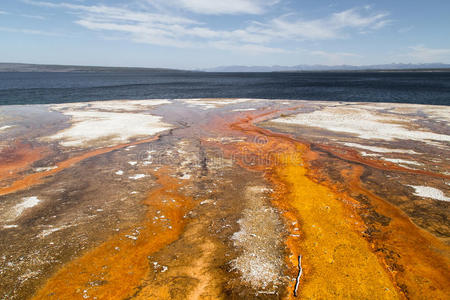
(205, 69)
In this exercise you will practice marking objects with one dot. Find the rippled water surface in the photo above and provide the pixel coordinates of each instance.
(408, 87)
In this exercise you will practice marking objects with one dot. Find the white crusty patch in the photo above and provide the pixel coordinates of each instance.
(363, 123)
(26, 203)
(429, 192)
(401, 161)
(185, 176)
(137, 176)
(44, 169)
(379, 149)
(52, 229)
(244, 109)
(257, 263)
(120, 172)
(259, 241)
(5, 127)
(114, 105)
(111, 127)
(440, 113)
(10, 226)
(364, 153)
(213, 103)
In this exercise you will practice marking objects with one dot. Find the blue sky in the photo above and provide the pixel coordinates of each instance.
(208, 33)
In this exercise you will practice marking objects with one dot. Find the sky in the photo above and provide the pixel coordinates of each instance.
(192, 34)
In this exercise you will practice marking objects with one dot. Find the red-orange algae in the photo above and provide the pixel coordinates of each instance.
(416, 261)
(303, 202)
(19, 157)
(116, 268)
(354, 156)
(36, 178)
(413, 263)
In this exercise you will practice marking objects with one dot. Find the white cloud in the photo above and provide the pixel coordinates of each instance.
(249, 48)
(354, 18)
(33, 17)
(29, 31)
(160, 29)
(2, 12)
(422, 54)
(196, 6)
(100, 12)
(334, 57)
(300, 29)
(405, 29)
(333, 27)
(160, 25)
(226, 7)
(156, 34)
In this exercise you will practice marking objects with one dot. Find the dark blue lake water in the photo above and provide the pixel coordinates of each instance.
(407, 87)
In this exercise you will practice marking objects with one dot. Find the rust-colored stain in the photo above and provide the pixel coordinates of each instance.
(402, 261)
(354, 156)
(320, 225)
(18, 157)
(330, 241)
(417, 260)
(36, 178)
(325, 223)
(115, 269)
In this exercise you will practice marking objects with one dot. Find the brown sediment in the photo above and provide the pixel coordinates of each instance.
(191, 273)
(115, 269)
(353, 156)
(337, 260)
(19, 157)
(343, 255)
(36, 178)
(417, 260)
(332, 237)
(320, 228)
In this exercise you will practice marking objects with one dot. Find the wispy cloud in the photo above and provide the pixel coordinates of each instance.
(405, 29)
(224, 7)
(422, 54)
(115, 13)
(2, 12)
(334, 57)
(162, 26)
(358, 18)
(249, 48)
(32, 17)
(338, 25)
(29, 31)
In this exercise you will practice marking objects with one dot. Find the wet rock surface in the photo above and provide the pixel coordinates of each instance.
(216, 198)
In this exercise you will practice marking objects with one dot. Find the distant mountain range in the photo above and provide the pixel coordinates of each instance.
(300, 68)
(20, 67)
